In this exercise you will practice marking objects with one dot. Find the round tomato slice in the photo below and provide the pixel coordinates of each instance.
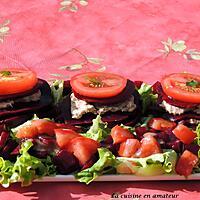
(98, 84)
(182, 86)
(14, 81)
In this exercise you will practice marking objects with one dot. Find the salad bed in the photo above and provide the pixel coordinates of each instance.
(147, 142)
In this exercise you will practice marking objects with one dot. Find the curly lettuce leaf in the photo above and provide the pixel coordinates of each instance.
(147, 96)
(198, 137)
(155, 164)
(98, 131)
(57, 88)
(104, 165)
(26, 168)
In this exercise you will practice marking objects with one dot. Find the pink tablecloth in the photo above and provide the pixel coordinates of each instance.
(125, 37)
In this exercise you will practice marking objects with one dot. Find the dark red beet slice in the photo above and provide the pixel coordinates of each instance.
(87, 119)
(157, 88)
(9, 147)
(3, 138)
(138, 83)
(186, 116)
(45, 101)
(65, 162)
(16, 121)
(125, 94)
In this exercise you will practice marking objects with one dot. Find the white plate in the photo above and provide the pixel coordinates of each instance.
(70, 178)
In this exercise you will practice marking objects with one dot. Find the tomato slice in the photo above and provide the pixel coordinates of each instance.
(184, 134)
(161, 124)
(182, 86)
(120, 134)
(186, 163)
(98, 84)
(14, 81)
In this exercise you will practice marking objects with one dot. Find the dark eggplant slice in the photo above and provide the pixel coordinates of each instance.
(157, 88)
(44, 102)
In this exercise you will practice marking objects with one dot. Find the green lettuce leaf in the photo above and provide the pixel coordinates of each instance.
(98, 131)
(57, 88)
(147, 96)
(155, 164)
(26, 168)
(104, 165)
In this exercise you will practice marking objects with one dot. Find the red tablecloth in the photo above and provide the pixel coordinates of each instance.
(45, 35)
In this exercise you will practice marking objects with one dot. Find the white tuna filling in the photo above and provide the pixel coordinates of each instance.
(80, 107)
(173, 109)
(34, 97)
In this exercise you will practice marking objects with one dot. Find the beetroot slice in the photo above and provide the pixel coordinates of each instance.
(157, 88)
(45, 100)
(125, 94)
(17, 120)
(182, 117)
(87, 119)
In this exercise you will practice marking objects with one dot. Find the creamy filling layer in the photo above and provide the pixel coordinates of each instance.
(31, 98)
(81, 107)
(177, 110)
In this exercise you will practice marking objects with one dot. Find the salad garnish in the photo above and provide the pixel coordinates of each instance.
(5, 73)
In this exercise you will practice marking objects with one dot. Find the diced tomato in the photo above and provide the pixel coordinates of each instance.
(129, 147)
(160, 124)
(83, 148)
(120, 134)
(63, 137)
(149, 146)
(28, 131)
(184, 134)
(14, 81)
(98, 84)
(182, 86)
(186, 163)
(44, 126)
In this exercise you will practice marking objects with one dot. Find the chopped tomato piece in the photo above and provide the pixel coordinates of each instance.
(182, 86)
(149, 146)
(14, 81)
(120, 134)
(28, 131)
(44, 126)
(186, 163)
(129, 147)
(98, 84)
(63, 137)
(184, 134)
(161, 124)
(83, 148)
